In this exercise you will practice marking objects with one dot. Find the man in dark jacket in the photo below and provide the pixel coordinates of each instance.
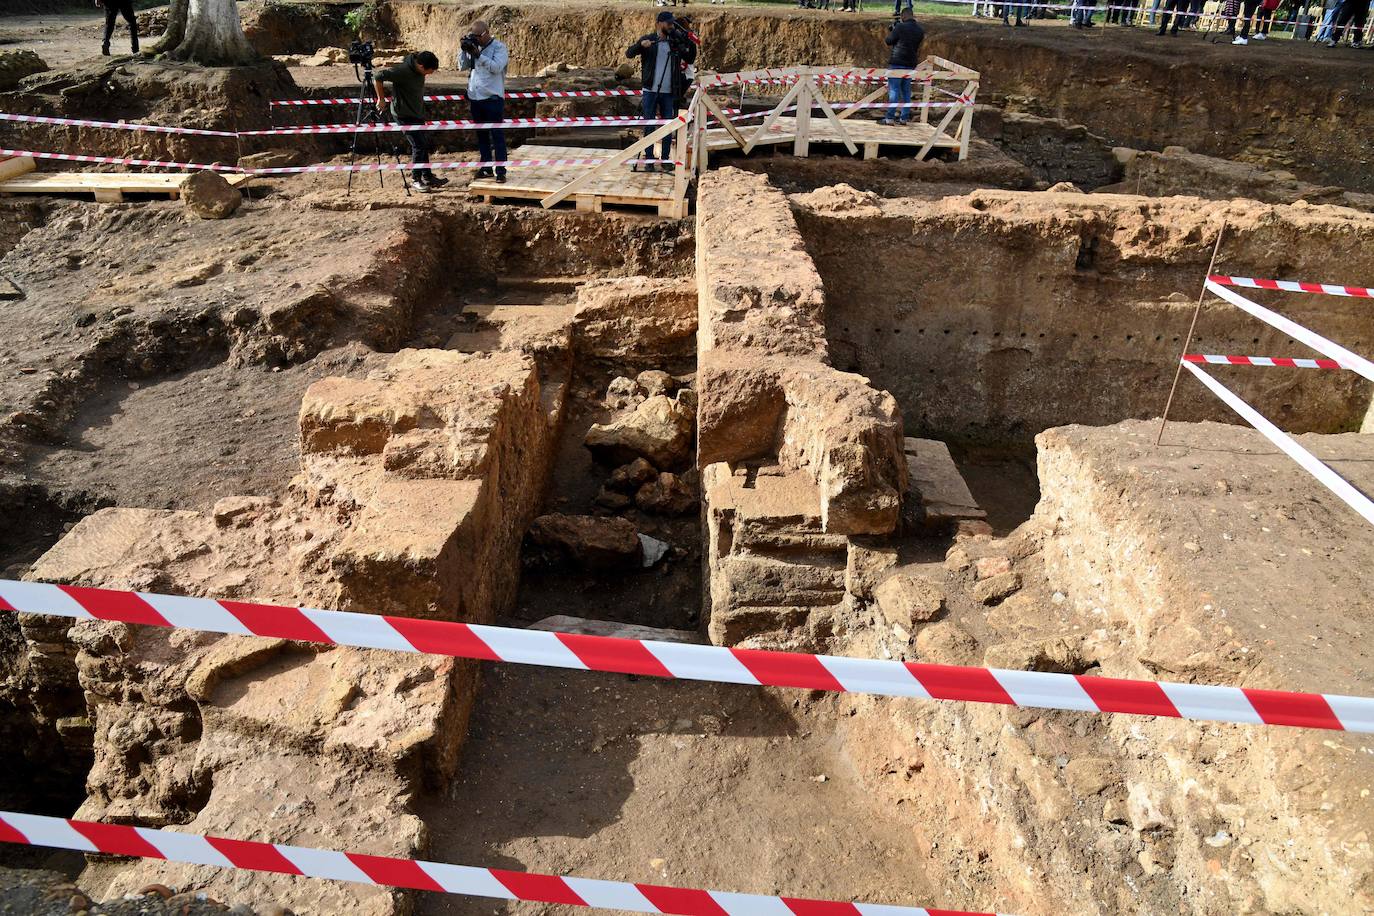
(663, 55)
(904, 38)
(407, 81)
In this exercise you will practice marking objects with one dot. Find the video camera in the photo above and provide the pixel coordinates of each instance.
(360, 54)
(470, 45)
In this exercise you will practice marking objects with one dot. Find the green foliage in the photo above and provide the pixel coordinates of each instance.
(364, 17)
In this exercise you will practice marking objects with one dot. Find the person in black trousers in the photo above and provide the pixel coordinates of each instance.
(1173, 9)
(113, 9)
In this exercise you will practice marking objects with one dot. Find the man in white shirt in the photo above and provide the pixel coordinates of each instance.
(487, 58)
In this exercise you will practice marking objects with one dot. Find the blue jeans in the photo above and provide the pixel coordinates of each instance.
(1328, 23)
(491, 141)
(1083, 14)
(898, 90)
(658, 105)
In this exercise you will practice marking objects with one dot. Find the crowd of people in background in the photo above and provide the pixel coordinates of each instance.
(1331, 22)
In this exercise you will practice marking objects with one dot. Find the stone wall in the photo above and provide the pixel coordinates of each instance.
(797, 456)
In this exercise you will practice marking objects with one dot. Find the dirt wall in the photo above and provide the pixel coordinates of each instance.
(1000, 314)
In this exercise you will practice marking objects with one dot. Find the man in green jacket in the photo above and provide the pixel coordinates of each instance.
(407, 81)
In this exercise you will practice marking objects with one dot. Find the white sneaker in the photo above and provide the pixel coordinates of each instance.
(1261, 37)
(1240, 40)
(1331, 42)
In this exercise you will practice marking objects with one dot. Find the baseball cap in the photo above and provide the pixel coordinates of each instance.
(665, 16)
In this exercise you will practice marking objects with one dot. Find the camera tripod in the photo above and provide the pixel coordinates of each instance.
(367, 113)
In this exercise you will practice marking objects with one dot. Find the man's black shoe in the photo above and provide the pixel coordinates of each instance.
(485, 173)
(436, 182)
(501, 178)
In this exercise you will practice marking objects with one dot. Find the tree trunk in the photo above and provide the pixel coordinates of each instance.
(176, 27)
(214, 36)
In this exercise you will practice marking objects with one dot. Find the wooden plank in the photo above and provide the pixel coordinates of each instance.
(772, 118)
(966, 128)
(804, 100)
(90, 182)
(16, 166)
(939, 132)
(108, 196)
(856, 107)
(642, 189)
(725, 122)
(835, 125)
(665, 130)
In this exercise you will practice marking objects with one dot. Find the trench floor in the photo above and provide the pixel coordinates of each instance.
(695, 785)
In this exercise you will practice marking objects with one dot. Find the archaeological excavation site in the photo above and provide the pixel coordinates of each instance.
(683, 539)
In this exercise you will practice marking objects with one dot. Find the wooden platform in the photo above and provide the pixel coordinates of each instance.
(621, 186)
(869, 136)
(106, 187)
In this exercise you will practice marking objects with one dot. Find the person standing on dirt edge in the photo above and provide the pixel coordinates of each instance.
(662, 55)
(407, 81)
(487, 58)
(115, 8)
(904, 38)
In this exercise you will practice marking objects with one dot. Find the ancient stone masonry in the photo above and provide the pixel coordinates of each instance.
(1153, 564)
(796, 456)
(416, 486)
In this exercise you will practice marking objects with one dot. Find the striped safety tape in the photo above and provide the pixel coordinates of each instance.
(561, 94)
(455, 125)
(116, 125)
(1045, 690)
(1329, 348)
(1216, 359)
(407, 166)
(123, 160)
(356, 167)
(1289, 446)
(1295, 286)
(416, 874)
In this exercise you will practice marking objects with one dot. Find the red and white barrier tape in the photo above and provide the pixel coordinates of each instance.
(1295, 286)
(407, 166)
(1333, 350)
(122, 160)
(417, 874)
(1289, 362)
(456, 125)
(568, 94)
(116, 125)
(720, 664)
(356, 167)
(1309, 462)
(837, 108)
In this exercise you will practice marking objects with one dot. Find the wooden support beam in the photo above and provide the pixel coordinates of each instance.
(714, 108)
(855, 107)
(966, 128)
(939, 131)
(772, 118)
(801, 143)
(926, 89)
(13, 168)
(835, 123)
(615, 161)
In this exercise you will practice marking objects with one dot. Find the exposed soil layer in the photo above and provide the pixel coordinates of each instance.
(1026, 311)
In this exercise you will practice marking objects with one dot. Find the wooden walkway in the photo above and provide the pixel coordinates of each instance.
(106, 187)
(618, 186)
(869, 136)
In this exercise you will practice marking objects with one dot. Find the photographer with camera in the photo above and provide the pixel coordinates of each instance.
(904, 38)
(664, 55)
(487, 58)
(407, 81)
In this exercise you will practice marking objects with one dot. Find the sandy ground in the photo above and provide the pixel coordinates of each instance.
(696, 785)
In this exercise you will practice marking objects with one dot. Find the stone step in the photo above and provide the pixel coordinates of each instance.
(934, 480)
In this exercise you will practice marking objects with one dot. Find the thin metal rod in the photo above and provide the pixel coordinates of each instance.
(1188, 341)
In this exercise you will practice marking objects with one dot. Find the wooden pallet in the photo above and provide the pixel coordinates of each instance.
(621, 186)
(869, 136)
(106, 187)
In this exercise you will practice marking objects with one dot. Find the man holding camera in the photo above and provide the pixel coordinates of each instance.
(407, 81)
(487, 58)
(664, 55)
(904, 38)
